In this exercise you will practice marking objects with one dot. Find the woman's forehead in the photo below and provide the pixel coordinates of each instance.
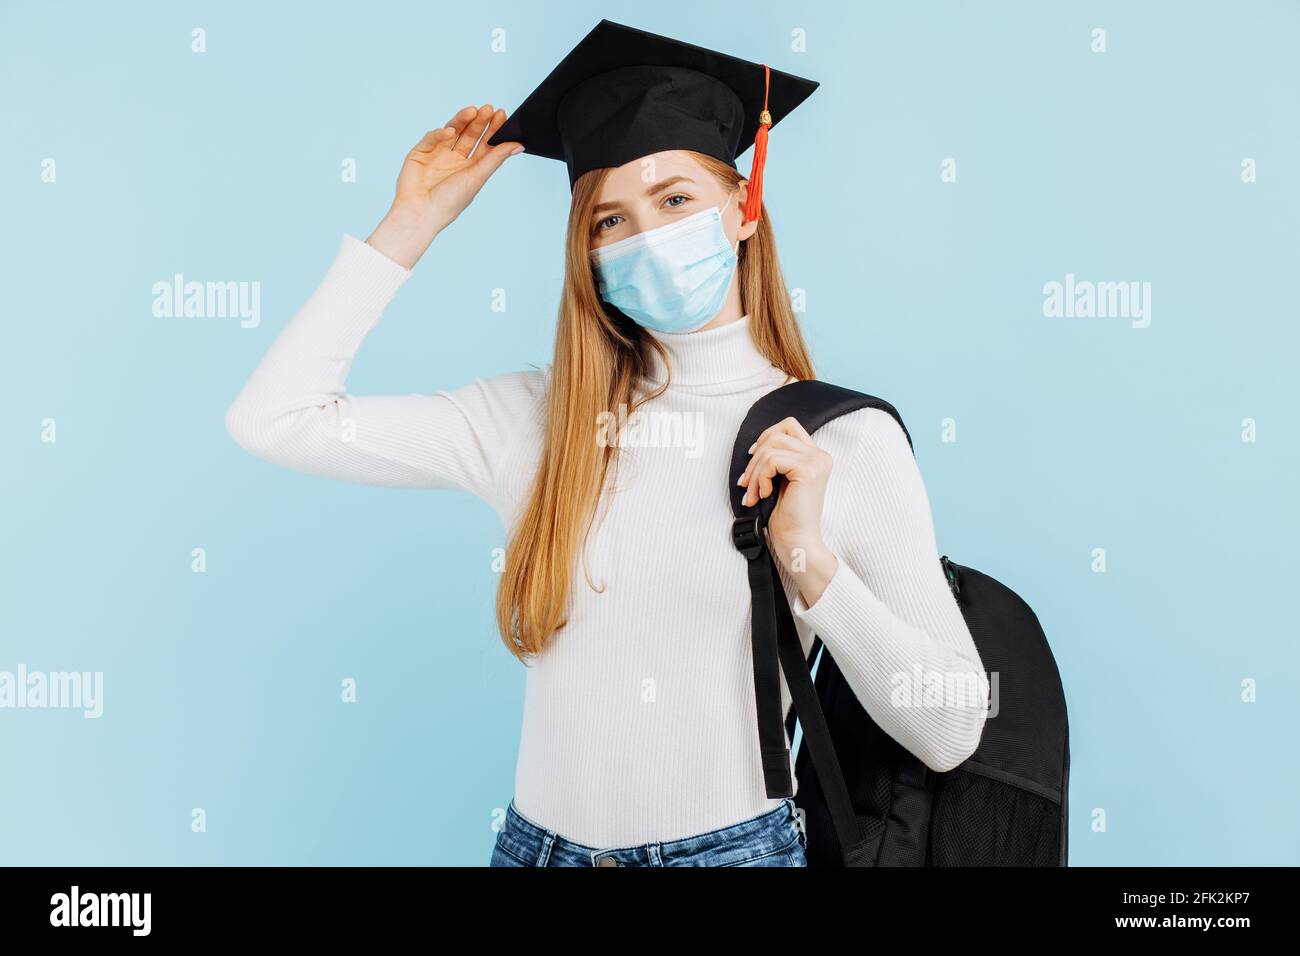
(640, 174)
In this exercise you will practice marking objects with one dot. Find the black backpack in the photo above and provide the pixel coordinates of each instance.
(871, 802)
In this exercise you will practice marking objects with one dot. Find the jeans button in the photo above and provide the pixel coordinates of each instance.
(607, 861)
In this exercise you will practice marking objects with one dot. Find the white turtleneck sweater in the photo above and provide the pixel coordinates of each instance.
(639, 717)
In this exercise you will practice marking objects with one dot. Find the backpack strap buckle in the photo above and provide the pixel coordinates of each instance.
(747, 536)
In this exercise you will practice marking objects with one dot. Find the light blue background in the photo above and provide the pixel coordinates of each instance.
(222, 689)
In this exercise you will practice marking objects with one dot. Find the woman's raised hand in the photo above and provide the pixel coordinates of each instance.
(439, 178)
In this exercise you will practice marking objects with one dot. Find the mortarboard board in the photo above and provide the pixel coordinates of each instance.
(622, 93)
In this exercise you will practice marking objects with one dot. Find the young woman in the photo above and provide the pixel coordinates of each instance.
(622, 590)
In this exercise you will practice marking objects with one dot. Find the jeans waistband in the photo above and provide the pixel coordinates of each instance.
(767, 831)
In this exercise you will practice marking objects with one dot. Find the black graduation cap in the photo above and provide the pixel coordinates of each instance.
(622, 93)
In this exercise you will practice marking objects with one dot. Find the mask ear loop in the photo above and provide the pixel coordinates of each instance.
(740, 243)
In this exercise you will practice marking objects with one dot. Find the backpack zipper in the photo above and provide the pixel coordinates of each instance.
(950, 572)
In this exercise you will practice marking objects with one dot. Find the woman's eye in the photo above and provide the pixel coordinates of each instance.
(609, 222)
(671, 200)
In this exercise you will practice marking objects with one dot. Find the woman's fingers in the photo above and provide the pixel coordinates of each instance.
(469, 136)
(497, 120)
(773, 440)
(488, 160)
(462, 118)
(788, 439)
(784, 448)
(442, 137)
(773, 462)
(786, 426)
(462, 131)
(770, 460)
(796, 429)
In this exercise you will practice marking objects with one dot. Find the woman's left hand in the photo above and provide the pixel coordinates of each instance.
(794, 530)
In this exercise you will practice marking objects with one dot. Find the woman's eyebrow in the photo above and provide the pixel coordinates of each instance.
(671, 180)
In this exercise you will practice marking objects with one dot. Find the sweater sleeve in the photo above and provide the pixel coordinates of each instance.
(887, 615)
(295, 411)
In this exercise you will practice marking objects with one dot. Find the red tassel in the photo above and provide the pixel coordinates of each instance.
(754, 195)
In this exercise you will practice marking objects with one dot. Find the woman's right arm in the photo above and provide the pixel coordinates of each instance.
(295, 410)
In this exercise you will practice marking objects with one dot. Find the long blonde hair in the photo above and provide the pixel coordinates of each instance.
(598, 365)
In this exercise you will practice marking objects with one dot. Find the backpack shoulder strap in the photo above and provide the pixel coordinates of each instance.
(775, 640)
(814, 404)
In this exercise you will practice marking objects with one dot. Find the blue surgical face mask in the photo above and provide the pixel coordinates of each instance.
(671, 279)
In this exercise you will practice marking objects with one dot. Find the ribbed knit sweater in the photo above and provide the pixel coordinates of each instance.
(639, 716)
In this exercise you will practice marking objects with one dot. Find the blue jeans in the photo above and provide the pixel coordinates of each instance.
(773, 838)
